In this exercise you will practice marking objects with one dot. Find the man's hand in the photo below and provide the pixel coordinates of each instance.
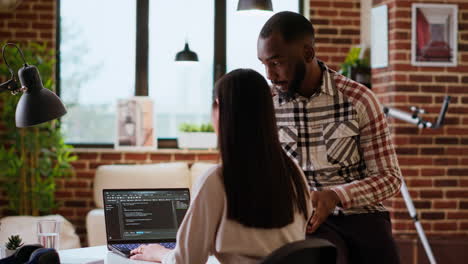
(323, 202)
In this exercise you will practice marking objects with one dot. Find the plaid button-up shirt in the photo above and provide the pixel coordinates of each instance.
(340, 138)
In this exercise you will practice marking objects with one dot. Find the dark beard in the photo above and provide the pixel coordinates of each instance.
(299, 75)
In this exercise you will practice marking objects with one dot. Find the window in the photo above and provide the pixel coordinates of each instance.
(181, 91)
(97, 66)
(98, 57)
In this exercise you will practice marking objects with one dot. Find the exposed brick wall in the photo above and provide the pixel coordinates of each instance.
(337, 28)
(33, 20)
(433, 161)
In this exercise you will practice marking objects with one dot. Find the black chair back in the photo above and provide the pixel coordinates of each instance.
(33, 254)
(310, 251)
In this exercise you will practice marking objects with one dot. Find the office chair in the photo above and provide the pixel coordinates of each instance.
(310, 251)
(32, 254)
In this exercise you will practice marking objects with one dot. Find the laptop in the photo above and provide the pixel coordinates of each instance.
(143, 216)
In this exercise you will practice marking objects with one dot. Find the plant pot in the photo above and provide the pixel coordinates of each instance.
(361, 75)
(9, 252)
(197, 140)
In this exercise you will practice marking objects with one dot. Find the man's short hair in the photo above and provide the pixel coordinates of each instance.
(292, 26)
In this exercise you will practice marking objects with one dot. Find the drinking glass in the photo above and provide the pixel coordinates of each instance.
(48, 231)
(2, 252)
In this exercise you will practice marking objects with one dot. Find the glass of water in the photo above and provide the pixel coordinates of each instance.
(48, 231)
(2, 252)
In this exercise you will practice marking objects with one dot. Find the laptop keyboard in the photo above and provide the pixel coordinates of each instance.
(169, 245)
(130, 247)
(127, 246)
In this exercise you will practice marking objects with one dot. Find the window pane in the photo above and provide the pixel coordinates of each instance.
(97, 63)
(242, 33)
(181, 92)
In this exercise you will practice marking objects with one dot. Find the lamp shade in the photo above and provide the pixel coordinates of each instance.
(186, 54)
(37, 105)
(244, 5)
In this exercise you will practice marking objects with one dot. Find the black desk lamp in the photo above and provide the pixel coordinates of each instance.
(37, 105)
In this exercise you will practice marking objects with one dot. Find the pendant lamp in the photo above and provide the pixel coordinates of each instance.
(246, 5)
(186, 54)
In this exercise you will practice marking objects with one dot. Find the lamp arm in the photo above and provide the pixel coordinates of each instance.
(20, 51)
(12, 84)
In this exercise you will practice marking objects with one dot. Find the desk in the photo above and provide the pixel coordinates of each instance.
(99, 254)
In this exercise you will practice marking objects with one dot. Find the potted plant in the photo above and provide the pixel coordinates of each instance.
(31, 158)
(193, 136)
(356, 66)
(13, 243)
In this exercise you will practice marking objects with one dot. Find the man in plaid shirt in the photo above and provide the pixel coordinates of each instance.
(335, 130)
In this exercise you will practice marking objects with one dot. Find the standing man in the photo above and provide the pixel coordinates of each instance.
(334, 128)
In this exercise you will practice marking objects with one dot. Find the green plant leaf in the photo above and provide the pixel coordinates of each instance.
(189, 127)
(352, 60)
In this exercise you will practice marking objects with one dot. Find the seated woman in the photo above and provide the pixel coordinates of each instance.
(256, 200)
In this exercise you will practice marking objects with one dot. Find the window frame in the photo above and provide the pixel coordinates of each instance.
(142, 52)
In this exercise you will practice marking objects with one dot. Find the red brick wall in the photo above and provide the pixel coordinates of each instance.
(33, 20)
(433, 161)
(337, 28)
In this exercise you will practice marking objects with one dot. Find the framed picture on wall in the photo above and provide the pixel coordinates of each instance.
(434, 35)
(135, 123)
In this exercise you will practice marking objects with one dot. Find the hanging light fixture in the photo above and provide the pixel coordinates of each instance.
(249, 5)
(186, 54)
(37, 104)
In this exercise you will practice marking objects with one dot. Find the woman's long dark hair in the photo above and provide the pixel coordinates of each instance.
(264, 188)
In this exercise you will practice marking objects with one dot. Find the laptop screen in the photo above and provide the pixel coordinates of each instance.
(144, 214)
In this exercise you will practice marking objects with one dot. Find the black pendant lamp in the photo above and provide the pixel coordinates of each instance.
(186, 54)
(37, 104)
(245, 5)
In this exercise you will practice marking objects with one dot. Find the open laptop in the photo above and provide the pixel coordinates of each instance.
(143, 216)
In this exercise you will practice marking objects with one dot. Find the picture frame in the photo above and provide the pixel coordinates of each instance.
(434, 35)
(135, 124)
